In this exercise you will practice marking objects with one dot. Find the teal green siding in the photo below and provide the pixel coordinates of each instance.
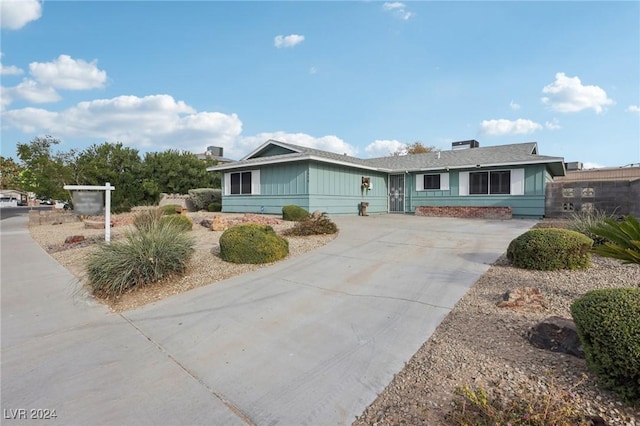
(531, 204)
(337, 189)
(280, 185)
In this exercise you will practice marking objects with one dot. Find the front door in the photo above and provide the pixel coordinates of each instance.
(396, 193)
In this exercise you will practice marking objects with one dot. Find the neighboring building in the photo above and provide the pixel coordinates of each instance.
(612, 190)
(214, 153)
(277, 174)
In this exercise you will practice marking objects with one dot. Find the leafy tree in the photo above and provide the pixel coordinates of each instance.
(414, 148)
(121, 167)
(45, 172)
(10, 174)
(176, 172)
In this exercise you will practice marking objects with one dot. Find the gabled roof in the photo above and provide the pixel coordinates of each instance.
(501, 155)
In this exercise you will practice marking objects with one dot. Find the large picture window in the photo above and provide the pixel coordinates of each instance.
(242, 183)
(492, 182)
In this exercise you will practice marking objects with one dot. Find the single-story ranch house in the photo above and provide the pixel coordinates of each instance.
(464, 180)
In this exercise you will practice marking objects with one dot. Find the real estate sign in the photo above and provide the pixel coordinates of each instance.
(88, 203)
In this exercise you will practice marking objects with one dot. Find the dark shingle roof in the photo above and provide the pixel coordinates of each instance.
(501, 155)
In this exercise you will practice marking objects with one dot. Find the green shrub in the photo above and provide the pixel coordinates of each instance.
(252, 243)
(179, 221)
(202, 197)
(313, 225)
(546, 405)
(584, 221)
(608, 323)
(550, 249)
(214, 207)
(170, 209)
(142, 257)
(622, 239)
(294, 213)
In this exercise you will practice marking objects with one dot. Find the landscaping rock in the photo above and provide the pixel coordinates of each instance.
(524, 297)
(557, 334)
(207, 223)
(74, 239)
(219, 224)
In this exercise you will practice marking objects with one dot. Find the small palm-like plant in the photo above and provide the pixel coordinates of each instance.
(623, 239)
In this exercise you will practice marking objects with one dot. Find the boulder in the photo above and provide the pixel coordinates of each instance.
(557, 334)
(207, 223)
(73, 239)
(524, 297)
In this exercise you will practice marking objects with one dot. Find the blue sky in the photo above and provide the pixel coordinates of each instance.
(361, 78)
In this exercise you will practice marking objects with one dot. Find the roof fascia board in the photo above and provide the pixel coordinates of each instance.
(271, 160)
(474, 166)
(267, 143)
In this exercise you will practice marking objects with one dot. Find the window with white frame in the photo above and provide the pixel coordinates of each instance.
(492, 182)
(242, 183)
(432, 182)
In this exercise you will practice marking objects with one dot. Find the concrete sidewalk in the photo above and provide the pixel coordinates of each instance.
(311, 340)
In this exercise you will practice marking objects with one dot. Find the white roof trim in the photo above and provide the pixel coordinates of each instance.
(484, 165)
(267, 143)
(309, 157)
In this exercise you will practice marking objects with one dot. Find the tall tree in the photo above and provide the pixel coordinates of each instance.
(177, 172)
(10, 174)
(121, 167)
(45, 172)
(414, 148)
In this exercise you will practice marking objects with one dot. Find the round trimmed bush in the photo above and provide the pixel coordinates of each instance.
(180, 221)
(294, 213)
(214, 207)
(170, 209)
(252, 243)
(549, 249)
(608, 323)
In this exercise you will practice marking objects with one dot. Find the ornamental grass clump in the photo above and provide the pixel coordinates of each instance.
(608, 324)
(584, 222)
(546, 405)
(170, 209)
(550, 249)
(180, 221)
(252, 243)
(155, 250)
(316, 224)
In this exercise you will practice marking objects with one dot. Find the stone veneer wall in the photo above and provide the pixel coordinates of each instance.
(468, 212)
(49, 217)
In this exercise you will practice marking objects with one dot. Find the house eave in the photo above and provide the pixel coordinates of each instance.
(485, 165)
(273, 160)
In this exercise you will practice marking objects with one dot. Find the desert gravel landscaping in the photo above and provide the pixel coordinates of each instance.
(478, 343)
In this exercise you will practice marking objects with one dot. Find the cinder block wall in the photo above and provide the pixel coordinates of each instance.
(465, 212)
(49, 217)
(620, 197)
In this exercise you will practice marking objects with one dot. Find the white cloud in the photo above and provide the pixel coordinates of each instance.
(553, 124)
(384, 147)
(62, 73)
(10, 70)
(156, 122)
(633, 108)
(508, 127)
(68, 73)
(31, 91)
(291, 40)
(398, 9)
(567, 94)
(313, 70)
(15, 14)
(590, 165)
(514, 106)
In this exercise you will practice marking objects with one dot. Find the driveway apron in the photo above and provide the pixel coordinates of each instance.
(308, 341)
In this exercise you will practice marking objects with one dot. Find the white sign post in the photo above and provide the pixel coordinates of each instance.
(107, 201)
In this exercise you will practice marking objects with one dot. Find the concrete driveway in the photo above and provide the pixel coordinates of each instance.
(308, 341)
